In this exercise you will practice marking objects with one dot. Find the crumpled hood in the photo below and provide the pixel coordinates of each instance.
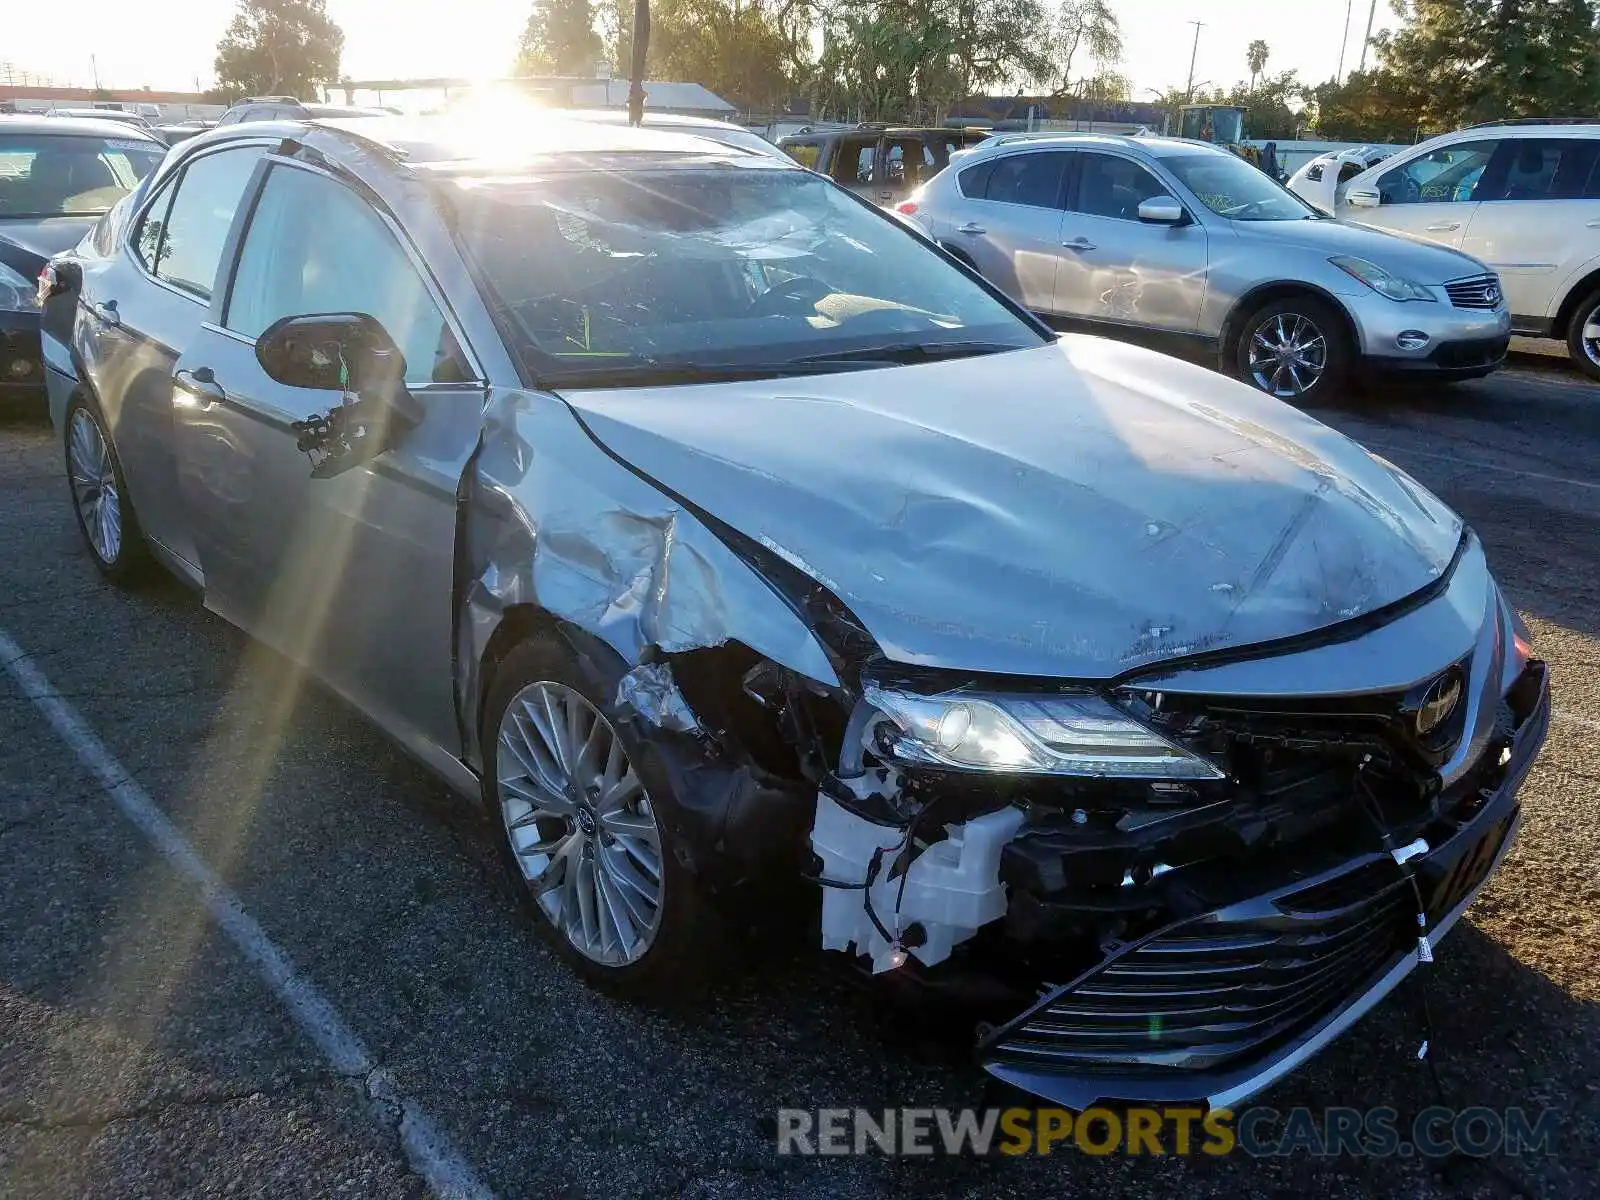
(1423, 262)
(1076, 510)
(27, 243)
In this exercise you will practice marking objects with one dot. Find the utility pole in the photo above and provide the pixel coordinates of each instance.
(1188, 91)
(1372, 8)
(1344, 40)
(94, 69)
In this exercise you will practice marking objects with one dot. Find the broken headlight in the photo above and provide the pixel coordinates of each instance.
(1045, 734)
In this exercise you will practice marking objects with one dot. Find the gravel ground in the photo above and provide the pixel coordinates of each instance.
(141, 1055)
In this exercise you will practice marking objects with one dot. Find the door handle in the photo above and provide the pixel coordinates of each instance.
(201, 383)
(1444, 227)
(1594, 224)
(1078, 243)
(106, 313)
(971, 227)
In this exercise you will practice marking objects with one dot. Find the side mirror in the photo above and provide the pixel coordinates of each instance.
(1161, 210)
(353, 355)
(1363, 198)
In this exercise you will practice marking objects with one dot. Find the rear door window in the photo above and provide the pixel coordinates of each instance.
(187, 246)
(804, 153)
(909, 161)
(1542, 169)
(1035, 179)
(854, 164)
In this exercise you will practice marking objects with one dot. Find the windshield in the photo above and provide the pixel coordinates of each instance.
(609, 277)
(1232, 188)
(1224, 126)
(64, 175)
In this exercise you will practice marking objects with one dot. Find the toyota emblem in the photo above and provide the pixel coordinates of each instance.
(1438, 702)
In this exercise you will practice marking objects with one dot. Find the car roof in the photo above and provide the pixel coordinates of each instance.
(1159, 147)
(617, 116)
(465, 146)
(79, 126)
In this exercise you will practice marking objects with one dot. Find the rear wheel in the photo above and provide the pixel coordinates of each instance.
(1293, 348)
(1583, 335)
(99, 496)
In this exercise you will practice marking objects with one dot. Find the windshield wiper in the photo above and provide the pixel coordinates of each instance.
(654, 374)
(911, 352)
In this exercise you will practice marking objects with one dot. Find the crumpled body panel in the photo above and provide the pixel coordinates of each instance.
(550, 521)
(1118, 508)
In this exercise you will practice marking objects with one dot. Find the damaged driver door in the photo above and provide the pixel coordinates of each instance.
(326, 532)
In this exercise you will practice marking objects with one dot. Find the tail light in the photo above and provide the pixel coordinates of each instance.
(906, 206)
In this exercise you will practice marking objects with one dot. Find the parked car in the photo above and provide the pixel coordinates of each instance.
(182, 131)
(281, 108)
(1189, 243)
(724, 132)
(121, 116)
(717, 535)
(1321, 181)
(881, 163)
(1524, 196)
(58, 175)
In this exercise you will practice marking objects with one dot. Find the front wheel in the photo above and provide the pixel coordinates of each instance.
(1294, 348)
(589, 831)
(100, 497)
(1583, 335)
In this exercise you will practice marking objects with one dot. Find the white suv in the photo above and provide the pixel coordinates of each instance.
(1523, 196)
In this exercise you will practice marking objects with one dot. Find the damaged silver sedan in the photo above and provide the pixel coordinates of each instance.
(721, 536)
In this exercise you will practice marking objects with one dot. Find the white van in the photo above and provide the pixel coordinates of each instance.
(1524, 197)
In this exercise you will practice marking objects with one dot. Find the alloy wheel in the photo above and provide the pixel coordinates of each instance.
(581, 828)
(1288, 355)
(94, 485)
(1590, 338)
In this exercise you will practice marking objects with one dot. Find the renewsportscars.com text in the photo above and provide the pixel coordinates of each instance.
(1259, 1132)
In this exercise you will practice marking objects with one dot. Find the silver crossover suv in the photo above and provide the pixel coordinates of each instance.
(719, 540)
(1188, 241)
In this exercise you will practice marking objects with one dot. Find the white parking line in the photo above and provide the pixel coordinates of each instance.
(427, 1149)
(1472, 464)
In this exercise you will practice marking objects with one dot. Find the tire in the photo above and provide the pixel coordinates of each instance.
(106, 520)
(1302, 321)
(1585, 351)
(610, 848)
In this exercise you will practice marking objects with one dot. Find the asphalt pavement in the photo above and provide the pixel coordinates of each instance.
(147, 1048)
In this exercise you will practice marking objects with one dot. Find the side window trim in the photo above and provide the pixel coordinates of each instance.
(234, 249)
(165, 189)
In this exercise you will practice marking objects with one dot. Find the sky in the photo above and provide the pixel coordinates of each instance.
(170, 44)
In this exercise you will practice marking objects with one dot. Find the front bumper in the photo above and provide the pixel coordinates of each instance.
(1462, 342)
(1212, 1009)
(21, 356)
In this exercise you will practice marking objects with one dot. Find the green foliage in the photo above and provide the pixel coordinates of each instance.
(1457, 62)
(278, 47)
(910, 59)
(559, 39)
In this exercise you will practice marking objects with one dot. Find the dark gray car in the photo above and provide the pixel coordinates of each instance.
(719, 538)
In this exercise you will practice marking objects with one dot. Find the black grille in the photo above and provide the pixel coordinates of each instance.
(1230, 985)
(1478, 291)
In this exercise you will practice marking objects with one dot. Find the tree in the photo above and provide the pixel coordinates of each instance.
(278, 47)
(559, 39)
(733, 47)
(1087, 25)
(1456, 62)
(1255, 58)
